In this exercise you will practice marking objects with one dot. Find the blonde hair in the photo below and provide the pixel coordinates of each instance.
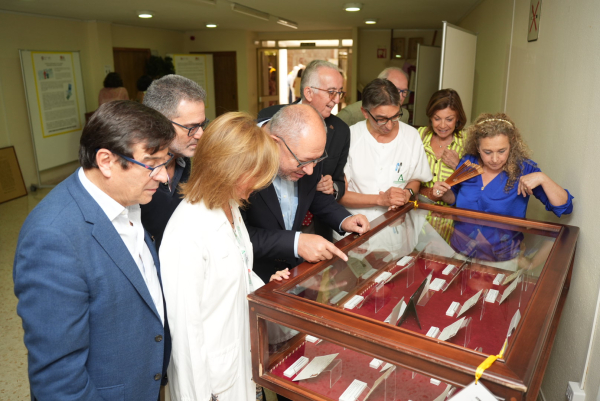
(232, 150)
(491, 125)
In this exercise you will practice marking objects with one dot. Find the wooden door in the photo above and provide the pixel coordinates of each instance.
(225, 77)
(131, 65)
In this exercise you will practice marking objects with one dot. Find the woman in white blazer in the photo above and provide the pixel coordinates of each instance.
(206, 259)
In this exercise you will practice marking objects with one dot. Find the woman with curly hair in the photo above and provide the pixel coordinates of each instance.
(509, 177)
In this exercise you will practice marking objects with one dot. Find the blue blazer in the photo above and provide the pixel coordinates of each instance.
(91, 327)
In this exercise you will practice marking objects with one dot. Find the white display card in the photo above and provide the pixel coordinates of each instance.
(469, 304)
(315, 367)
(433, 332)
(386, 367)
(355, 300)
(437, 284)
(491, 296)
(378, 382)
(452, 309)
(450, 331)
(435, 382)
(448, 270)
(369, 273)
(509, 290)
(404, 261)
(512, 277)
(312, 339)
(514, 322)
(388, 258)
(296, 366)
(443, 396)
(396, 312)
(338, 297)
(353, 391)
(474, 392)
(425, 289)
(498, 279)
(375, 363)
(382, 277)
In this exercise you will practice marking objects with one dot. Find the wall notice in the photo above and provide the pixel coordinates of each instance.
(191, 66)
(56, 89)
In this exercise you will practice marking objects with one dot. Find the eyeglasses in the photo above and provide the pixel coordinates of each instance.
(154, 171)
(383, 121)
(302, 164)
(332, 92)
(193, 129)
(403, 92)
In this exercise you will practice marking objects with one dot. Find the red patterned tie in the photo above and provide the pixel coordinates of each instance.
(307, 219)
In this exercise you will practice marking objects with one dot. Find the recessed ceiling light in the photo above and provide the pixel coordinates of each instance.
(145, 14)
(371, 21)
(211, 25)
(352, 7)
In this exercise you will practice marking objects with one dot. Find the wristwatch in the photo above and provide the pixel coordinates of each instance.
(412, 194)
(335, 190)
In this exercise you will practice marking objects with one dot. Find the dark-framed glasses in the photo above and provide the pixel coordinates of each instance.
(154, 171)
(332, 92)
(384, 120)
(302, 164)
(194, 128)
(403, 92)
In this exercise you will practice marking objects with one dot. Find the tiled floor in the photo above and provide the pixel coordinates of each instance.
(14, 385)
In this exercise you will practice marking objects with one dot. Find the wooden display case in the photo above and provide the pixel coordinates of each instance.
(319, 312)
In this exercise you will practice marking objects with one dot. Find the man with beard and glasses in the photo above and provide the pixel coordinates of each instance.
(181, 100)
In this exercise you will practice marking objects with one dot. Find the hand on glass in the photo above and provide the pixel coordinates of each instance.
(325, 185)
(280, 275)
(450, 158)
(529, 182)
(439, 189)
(314, 248)
(356, 224)
(393, 197)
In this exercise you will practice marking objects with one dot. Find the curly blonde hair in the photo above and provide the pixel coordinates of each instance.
(490, 125)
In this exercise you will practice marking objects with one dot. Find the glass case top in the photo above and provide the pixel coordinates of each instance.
(462, 280)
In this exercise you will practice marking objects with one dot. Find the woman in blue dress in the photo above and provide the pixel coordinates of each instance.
(508, 180)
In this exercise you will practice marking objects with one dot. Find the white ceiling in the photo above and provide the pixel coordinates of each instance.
(311, 15)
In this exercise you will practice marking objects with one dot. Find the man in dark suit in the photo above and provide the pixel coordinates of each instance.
(275, 214)
(181, 100)
(87, 275)
(322, 88)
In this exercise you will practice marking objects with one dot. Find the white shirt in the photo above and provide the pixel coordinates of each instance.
(373, 167)
(206, 281)
(128, 223)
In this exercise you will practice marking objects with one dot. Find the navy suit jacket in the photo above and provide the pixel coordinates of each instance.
(91, 327)
(273, 244)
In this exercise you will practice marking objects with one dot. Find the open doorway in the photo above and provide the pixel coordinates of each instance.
(281, 67)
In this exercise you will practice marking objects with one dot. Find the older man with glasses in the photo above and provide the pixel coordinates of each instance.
(322, 88)
(181, 100)
(352, 113)
(275, 214)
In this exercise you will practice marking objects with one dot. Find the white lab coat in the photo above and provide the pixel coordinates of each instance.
(205, 285)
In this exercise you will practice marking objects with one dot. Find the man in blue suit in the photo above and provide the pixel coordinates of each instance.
(87, 275)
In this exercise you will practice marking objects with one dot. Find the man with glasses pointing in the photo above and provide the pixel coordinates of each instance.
(275, 214)
(322, 88)
(181, 100)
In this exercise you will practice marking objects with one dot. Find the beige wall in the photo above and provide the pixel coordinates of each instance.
(94, 40)
(493, 46)
(369, 40)
(552, 96)
(242, 42)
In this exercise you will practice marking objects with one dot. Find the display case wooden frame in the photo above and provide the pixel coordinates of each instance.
(517, 377)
